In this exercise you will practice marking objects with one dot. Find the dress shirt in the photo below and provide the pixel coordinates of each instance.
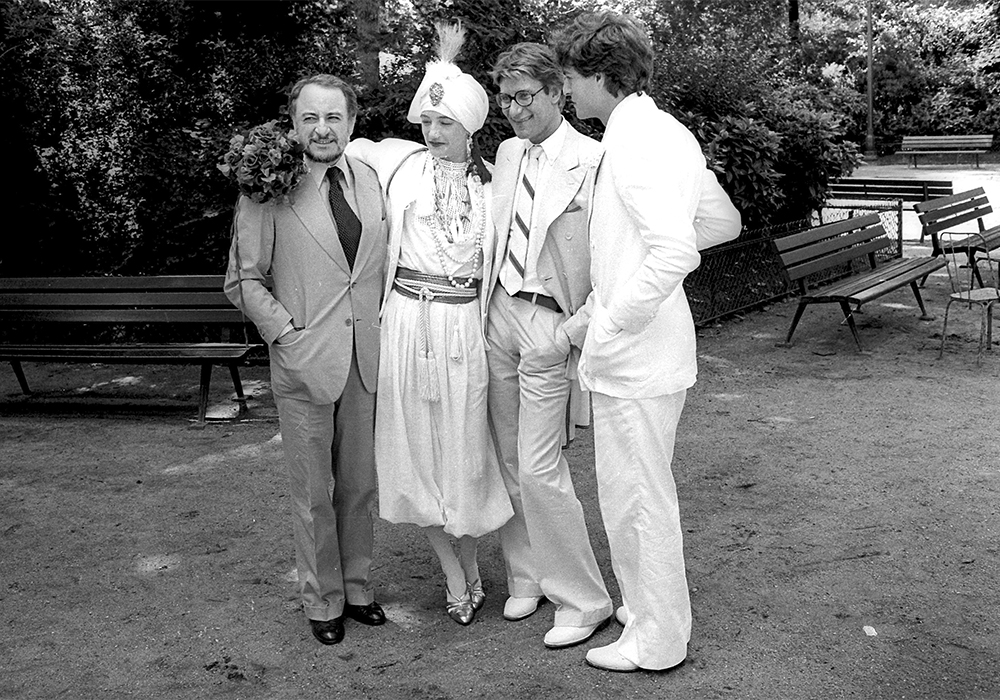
(550, 151)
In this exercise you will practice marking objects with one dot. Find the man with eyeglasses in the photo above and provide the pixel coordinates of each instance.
(542, 188)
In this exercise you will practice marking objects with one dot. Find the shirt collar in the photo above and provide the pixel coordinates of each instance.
(554, 143)
(318, 171)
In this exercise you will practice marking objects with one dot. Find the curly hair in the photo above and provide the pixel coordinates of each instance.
(609, 44)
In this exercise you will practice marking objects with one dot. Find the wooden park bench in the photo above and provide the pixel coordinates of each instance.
(48, 309)
(836, 250)
(904, 193)
(946, 214)
(974, 145)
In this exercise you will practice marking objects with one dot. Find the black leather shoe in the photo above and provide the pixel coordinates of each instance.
(371, 614)
(328, 631)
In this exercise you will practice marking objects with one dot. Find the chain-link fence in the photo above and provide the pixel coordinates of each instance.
(740, 275)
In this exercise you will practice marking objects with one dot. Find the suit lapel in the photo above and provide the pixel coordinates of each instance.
(504, 181)
(315, 217)
(565, 178)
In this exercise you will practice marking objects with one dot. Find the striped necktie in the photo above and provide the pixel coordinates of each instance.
(348, 226)
(517, 246)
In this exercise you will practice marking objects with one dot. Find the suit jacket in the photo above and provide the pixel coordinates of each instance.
(649, 191)
(562, 210)
(297, 244)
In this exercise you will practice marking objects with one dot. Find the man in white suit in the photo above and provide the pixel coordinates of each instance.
(653, 200)
(542, 190)
(325, 252)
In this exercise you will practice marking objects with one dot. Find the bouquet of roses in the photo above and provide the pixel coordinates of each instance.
(266, 162)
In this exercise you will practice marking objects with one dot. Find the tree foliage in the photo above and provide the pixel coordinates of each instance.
(117, 111)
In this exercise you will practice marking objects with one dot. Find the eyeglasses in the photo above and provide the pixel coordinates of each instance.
(522, 97)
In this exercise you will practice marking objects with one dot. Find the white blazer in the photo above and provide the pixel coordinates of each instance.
(649, 191)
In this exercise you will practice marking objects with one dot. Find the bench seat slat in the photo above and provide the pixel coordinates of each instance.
(102, 284)
(881, 281)
(964, 151)
(986, 241)
(198, 300)
(164, 353)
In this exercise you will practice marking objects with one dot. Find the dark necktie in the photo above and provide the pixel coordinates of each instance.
(348, 226)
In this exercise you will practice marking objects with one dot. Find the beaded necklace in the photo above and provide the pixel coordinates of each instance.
(455, 218)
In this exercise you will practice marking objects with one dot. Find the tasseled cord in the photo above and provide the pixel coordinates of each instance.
(427, 374)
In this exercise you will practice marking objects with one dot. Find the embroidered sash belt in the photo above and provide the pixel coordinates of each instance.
(425, 287)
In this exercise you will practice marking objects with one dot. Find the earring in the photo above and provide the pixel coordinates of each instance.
(468, 146)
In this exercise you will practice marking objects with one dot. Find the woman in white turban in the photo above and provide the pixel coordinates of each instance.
(436, 464)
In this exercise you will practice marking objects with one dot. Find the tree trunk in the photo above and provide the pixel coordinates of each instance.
(793, 21)
(367, 13)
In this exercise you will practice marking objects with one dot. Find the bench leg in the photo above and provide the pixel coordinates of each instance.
(206, 381)
(975, 268)
(920, 301)
(795, 322)
(849, 317)
(234, 371)
(19, 373)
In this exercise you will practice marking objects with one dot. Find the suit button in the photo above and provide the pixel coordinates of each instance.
(348, 321)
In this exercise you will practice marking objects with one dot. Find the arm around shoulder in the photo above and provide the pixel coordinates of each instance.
(383, 156)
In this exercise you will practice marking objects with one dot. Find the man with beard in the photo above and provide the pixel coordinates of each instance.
(325, 252)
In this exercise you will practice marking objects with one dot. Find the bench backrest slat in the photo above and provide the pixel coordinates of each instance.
(825, 247)
(978, 141)
(150, 299)
(839, 257)
(211, 316)
(819, 233)
(905, 190)
(948, 212)
(111, 300)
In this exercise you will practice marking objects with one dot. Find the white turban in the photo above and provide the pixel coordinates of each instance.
(447, 90)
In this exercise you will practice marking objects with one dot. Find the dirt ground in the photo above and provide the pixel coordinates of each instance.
(840, 510)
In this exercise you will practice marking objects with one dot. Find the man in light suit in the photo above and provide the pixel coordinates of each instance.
(538, 285)
(654, 201)
(325, 252)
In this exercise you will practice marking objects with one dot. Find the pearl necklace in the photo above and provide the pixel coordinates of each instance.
(455, 219)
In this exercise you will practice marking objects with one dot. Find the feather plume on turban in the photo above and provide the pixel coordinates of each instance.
(446, 89)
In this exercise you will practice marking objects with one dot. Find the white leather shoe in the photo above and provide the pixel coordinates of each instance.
(621, 615)
(519, 608)
(564, 636)
(608, 659)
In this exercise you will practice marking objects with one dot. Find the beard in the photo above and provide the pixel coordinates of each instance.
(332, 155)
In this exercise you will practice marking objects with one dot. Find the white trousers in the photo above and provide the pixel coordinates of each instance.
(546, 546)
(634, 445)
